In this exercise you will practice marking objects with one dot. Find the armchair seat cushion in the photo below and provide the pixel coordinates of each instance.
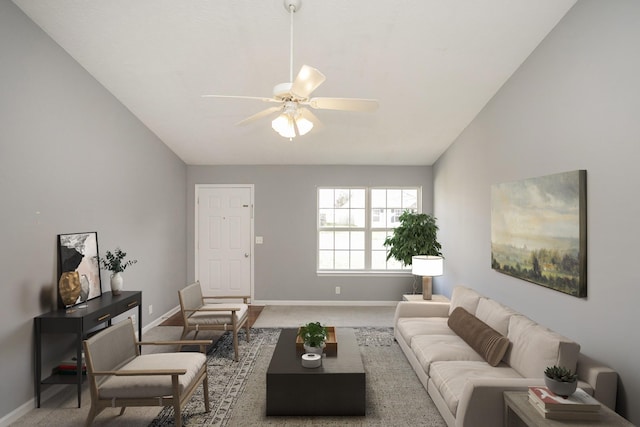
(217, 317)
(153, 385)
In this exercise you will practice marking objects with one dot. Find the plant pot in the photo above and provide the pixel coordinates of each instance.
(314, 350)
(560, 388)
(116, 283)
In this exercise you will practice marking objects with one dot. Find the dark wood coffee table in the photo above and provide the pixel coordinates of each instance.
(335, 388)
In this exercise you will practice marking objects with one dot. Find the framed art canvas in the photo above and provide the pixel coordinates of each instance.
(539, 231)
(78, 270)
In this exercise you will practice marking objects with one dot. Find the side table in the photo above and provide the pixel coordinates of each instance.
(418, 297)
(519, 412)
(79, 322)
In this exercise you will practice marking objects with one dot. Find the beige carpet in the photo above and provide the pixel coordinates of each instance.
(282, 316)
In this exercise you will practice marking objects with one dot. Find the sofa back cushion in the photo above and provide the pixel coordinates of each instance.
(494, 314)
(464, 297)
(485, 340)
(534, 347)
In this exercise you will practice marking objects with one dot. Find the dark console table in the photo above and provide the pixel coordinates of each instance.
(80, 321)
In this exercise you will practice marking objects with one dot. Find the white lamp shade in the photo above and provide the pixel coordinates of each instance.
(284, 125)
(427, 265)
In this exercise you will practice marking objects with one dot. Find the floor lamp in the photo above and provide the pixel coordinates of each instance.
(427, 266)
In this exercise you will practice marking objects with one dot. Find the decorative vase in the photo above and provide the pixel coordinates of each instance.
(560, 388)
(314, 350)
(116, 283)
(69, 287)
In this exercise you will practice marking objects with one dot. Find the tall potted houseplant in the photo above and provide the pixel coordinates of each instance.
(115, 263)
(416, 235)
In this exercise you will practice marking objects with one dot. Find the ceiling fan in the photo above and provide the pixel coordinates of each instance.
(293, 98)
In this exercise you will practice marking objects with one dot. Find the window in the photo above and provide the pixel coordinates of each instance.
(353, 224)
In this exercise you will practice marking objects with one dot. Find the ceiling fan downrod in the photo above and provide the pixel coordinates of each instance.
(292, 7)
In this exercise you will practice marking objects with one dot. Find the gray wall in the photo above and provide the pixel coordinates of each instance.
(73, 159)
(574, 104)
(285, 215)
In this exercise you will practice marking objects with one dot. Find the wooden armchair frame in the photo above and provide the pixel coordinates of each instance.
(130, 350)
(194, 308)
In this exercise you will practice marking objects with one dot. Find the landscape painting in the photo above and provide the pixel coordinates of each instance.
(539, 231)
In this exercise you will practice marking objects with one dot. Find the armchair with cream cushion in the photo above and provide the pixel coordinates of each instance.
(119, 376)
(200, 315)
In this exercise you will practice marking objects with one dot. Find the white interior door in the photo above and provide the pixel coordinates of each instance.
(224, 236)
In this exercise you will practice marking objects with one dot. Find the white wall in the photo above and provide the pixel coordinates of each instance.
(285, 215)
(574, 104)
(73, 159)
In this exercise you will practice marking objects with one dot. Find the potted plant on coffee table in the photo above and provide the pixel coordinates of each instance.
(560, 380)
(313, 336)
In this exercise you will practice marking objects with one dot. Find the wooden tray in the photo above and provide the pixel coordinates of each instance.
(331, 349)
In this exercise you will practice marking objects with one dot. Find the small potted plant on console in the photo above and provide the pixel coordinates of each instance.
(560, 380)
(313, 336)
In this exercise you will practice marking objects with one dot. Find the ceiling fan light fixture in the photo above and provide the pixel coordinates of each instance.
(285, 124)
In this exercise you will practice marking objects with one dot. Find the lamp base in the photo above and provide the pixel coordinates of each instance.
(427, 287)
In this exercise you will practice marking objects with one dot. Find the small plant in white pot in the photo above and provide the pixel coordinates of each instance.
(313, 336)
(115, 263)
(560, 380)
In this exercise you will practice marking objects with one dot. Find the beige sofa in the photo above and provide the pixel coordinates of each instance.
(466, 388)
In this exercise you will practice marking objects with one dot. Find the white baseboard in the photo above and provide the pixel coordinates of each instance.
(325, 303)
(13, 416)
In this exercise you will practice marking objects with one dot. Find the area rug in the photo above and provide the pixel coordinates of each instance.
(237, 390)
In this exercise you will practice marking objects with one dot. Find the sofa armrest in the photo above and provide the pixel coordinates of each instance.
(603, 379)
(421, 309)
(482, 400)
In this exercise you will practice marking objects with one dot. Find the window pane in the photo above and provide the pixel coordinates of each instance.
(342, 260)
(357, 218)
(357, 240)
(357, 198)
(378, 260)
(394, 264)
(378, 218)
(325, 198)
(341, 198)
(410, 199)
(393, 219)
(326, 218)
(378, 198)
(326, 240)
(341, 217)
(394, 198)
(377, 240)
(325, 260)
(342, 240)
(357, 260)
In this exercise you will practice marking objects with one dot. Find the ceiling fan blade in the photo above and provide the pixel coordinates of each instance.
(307, 81)
(343, 104)
(257, 98)
(259, 115)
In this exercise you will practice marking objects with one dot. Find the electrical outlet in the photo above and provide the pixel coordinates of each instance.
(150, 309)
(337, 290)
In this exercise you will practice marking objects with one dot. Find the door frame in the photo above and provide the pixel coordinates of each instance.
(252, 244)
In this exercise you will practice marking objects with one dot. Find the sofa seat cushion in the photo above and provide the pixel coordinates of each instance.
(217, 317)
(409, 327)
(534, 347)
(153, 385)
(450, 377)
(439, 348)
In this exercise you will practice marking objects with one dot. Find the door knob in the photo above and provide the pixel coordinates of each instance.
(246, 255)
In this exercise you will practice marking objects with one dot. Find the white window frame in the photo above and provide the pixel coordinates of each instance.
(368, 229)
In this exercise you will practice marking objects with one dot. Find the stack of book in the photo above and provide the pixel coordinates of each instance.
(70, 367)
(579, 406)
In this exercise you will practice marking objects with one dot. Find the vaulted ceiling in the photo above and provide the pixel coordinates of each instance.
(432, 65)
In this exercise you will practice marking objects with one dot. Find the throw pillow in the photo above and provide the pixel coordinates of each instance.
(485, 340)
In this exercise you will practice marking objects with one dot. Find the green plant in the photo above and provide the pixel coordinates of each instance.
(313, 334)
(114, 262)
(416, 235)
(560, 373)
